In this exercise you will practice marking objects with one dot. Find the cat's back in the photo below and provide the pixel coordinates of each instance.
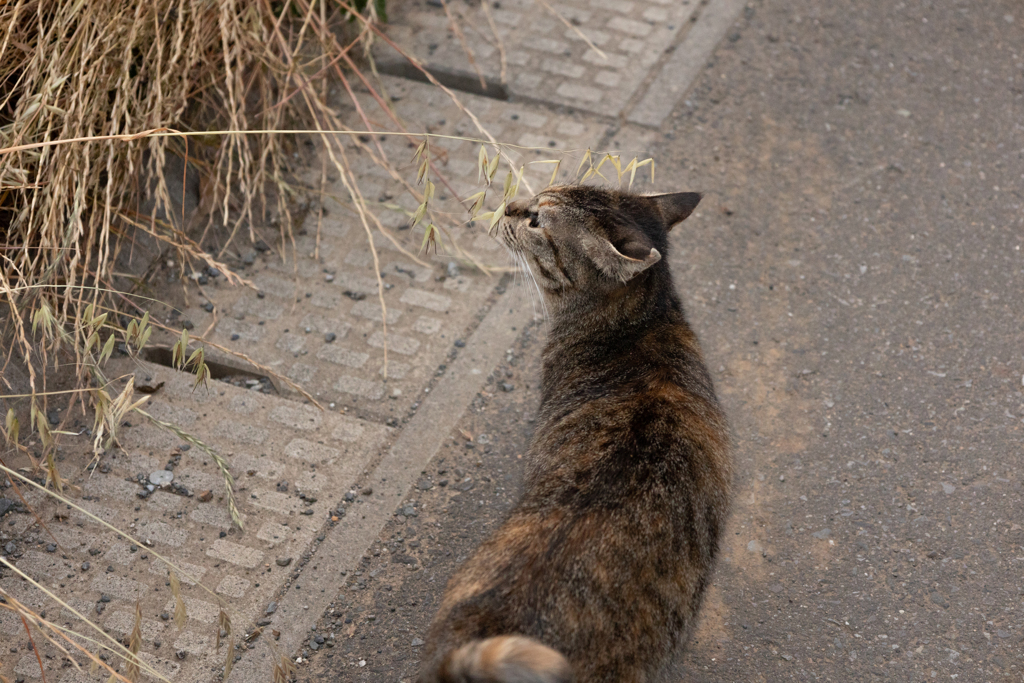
(633, 395)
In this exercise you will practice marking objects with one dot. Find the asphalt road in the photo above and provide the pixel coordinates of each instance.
(856, 276)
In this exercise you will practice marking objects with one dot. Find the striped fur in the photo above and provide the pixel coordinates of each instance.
(505, 659)
(606, 558)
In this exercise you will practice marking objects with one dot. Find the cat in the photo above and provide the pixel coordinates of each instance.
(599, 571)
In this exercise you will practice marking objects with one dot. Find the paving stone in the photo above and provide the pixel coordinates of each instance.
(37, 564)
(360, 387)
(394, 342)
(187, 573)
(276, 502)
(196, 609)
(164, 667)
(340, 355)
(78, 604)
(371, 311)
(119, 553)
(349, 430)
(159, 532)
(290, 342)
(235, 553)
(321, 324)
(195, 642)
(9, 624)
(214, 515)
(122, 622)
(425, 325)
(28, 666)
(303, 418)
(179, 415)
(233, 586)
(74, 676)
(128, 589)
(274, 533)
(238, 432)
(311, 452)
(435, 302)
(244, 404)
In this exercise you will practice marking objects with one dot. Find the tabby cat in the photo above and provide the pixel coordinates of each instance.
(599, 571)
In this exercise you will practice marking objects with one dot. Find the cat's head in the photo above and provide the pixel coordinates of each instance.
(576, 237)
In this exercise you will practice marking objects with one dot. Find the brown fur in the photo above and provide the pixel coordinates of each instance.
(606, 558)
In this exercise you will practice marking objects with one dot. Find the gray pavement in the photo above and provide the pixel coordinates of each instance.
(854, 272)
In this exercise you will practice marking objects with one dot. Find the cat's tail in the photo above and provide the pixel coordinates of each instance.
(504, 659)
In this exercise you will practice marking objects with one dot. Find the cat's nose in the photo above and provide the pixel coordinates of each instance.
(518, 208)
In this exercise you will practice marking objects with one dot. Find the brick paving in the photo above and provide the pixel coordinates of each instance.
(285, 504)
(547, 60)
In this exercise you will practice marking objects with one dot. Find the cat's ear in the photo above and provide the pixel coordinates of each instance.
(636, 256)
(676, 206)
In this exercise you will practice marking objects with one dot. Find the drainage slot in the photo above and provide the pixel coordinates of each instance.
(239, 377)
(464, 81)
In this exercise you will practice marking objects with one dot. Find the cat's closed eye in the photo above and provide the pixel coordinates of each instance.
(534, 220)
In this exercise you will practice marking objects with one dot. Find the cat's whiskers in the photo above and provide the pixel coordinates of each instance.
(536, 288)
(522, 270)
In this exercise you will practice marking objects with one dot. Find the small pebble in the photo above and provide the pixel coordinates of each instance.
(329, 337)
(235, 337)
(284, 561)
(208, 307)
(507, 386)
